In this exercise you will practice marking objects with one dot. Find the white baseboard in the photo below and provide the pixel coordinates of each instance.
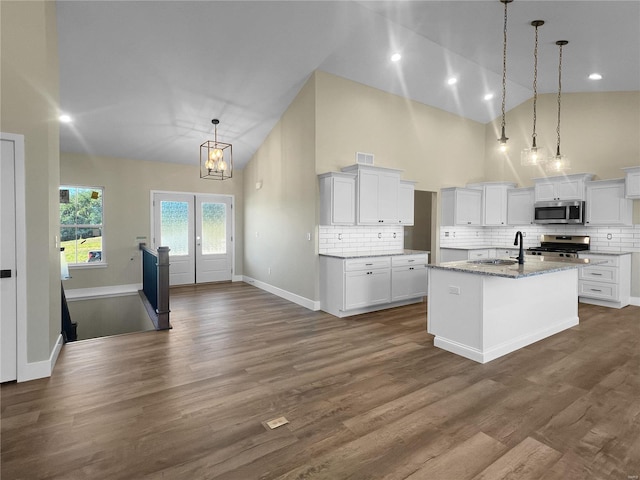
(292, 297)
(42, 369)
(634, 301)
(102, 292)
(237, 278)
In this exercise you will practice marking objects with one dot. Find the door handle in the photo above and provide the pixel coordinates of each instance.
(5, 273)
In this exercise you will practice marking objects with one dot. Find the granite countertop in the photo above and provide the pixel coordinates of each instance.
(598, 252)
(390, 253)
(480, 247)
(532, 266)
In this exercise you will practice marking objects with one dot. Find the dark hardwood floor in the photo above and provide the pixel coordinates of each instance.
(366, 397)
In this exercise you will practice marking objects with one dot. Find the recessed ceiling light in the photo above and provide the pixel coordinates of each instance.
(595, 76)
(396, 57)
(488, 96)
(452, 81)
(64, 118)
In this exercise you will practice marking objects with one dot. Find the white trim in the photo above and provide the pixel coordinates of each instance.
(484, 356)
(44, 368)
(634, 301)
(21, 253)
(237, 278)
(102, 292)
(292, 297)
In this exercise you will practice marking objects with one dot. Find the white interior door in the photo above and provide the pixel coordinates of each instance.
(8, 299)
(213, 238)
(174, 228)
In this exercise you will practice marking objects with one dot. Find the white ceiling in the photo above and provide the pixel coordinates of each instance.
(143, 79)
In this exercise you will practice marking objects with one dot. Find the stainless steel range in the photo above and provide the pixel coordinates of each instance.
(564, 246)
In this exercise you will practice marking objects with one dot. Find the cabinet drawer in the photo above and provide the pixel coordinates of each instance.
(476, 254)
(603, 291)
(599, 274)
(401, 260)
(366, 263)
(602, 260)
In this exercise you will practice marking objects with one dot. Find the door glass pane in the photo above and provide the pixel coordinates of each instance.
(174, 227)
(214, 228)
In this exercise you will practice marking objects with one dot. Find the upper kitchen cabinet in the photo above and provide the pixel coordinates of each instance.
(337, 198)
(606, 203)
(632, 182)
(494, 201)
(405, 202)
(520, 206)
(565, 187)
(461, 206)
(376, 194)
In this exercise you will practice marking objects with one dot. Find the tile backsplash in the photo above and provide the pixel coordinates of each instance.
(351, 239)
(607, 239)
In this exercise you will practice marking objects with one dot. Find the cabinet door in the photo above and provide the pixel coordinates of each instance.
(408, 282)
(468, 207)
(570, 190)
(495, 205)
(388, 186)
(343, 201)
(545, 192)
(368, 197)
(632, 183)
(520, 206)
(606, 204)
(405, 204)
(367, 287)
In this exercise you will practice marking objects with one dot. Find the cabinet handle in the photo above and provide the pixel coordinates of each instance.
(411, 260)
(595, 290)
(368, 264)
(410, 268)
(596, 274)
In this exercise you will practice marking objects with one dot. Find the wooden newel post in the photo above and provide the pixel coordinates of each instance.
(163, 288)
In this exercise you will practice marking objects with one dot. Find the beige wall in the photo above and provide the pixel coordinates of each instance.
(29, 89)
(433, 148)
(599, 133)
(127, 210)
(280, 214)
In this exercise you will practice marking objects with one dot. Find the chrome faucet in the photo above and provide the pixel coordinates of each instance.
(521, 252)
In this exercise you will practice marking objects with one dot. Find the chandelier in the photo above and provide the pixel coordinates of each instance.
(503, 138)
(559, 162)
(216, 158)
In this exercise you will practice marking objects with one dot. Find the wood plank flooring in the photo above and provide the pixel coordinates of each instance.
(367, 397)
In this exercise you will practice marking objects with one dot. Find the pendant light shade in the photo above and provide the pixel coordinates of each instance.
(534, 155)
(503, 137)
(216, 158)
(559, 162)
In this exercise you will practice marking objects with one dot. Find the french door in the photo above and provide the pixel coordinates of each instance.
(198, 231)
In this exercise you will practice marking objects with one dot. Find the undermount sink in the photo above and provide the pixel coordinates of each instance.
(493, 261)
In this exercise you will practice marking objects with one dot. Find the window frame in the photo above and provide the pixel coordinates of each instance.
(102, 263)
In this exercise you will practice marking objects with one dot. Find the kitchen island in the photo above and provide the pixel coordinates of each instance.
(483, 311)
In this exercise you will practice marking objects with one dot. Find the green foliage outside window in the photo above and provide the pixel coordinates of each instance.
(81, 211)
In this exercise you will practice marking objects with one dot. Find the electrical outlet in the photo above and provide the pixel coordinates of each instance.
(309, 236)
(269, 270)
(446, 234)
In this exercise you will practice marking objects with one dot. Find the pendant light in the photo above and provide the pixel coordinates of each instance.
(534, 155)
(559, 162)
(503, 138)
(216, 158)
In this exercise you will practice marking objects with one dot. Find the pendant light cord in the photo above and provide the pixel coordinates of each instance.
(535, 86)
(504, 66)
(559, 95)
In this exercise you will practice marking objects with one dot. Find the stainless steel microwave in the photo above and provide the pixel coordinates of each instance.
(572, 212)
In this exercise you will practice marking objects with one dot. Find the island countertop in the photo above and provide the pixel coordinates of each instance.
(533, 265)
(382, 253)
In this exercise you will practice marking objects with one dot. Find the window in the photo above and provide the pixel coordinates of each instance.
(81, 227)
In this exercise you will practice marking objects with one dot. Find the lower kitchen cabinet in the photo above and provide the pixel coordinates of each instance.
(460, 254)
(350, 286)
(607, 282)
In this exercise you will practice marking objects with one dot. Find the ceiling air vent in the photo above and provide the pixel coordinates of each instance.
(364, 158)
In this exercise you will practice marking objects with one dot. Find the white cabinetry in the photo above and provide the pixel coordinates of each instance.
(337, 198)
(565, 187)
(606, 203)
(461, 206)
(376, 194)
(359, 285)
(408, 277)
(460, 254)
(520, 206)
(494, 202)
(632, 182)
(607, 282)
(405, 202)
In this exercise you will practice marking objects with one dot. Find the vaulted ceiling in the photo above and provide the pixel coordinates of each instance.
(143, 79)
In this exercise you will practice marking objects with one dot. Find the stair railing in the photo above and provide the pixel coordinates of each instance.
(155, 285)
